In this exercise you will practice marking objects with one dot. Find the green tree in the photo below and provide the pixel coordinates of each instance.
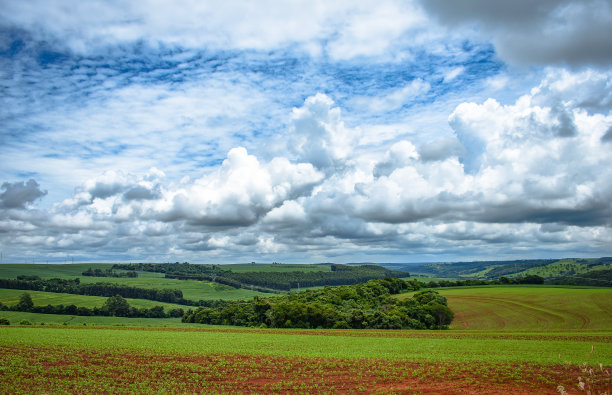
(442, 314)
(25, 302)
(117, 306)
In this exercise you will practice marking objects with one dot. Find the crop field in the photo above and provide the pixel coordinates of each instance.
(505, 339)
(524, 308)
(51, 359)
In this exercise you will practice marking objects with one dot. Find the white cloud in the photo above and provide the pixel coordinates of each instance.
(393, 99)
(318, 134)
(342, 28)
(531, 183)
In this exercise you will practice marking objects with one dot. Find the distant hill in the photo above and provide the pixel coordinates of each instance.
(268, 278)
(576, 271)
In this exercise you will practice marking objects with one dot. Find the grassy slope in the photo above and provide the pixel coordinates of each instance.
(495, 269)
(11, 297)
(268, 267)
(12, 270)
(194, 290)
(526, 308)
(563, 267)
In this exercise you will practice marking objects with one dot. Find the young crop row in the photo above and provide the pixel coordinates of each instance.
(83, 370)
(414, 345)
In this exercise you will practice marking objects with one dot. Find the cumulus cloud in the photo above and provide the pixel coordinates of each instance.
(318, 134)
(568, 32)
(238, 193)
(19, 194)
(508, 174)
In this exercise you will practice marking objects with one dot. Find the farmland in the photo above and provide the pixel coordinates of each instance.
(524, 308)
(247, 360)
(504, 339)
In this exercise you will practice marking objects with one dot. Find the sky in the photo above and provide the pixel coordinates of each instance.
(305, 131)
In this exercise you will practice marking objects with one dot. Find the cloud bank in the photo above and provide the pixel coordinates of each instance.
(378, 131)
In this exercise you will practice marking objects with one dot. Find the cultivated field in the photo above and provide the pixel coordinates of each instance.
(242, 360)
(505, 339)
(530, 308)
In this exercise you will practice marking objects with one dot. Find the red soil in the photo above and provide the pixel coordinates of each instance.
(63, 370)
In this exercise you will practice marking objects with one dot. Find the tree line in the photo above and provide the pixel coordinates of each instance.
(114, 306)
(359, 306)
(267, 281)
(74, 286)
(108, 273)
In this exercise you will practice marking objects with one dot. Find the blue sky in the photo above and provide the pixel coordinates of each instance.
(387, 131)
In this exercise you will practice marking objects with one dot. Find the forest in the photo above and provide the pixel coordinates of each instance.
(359, 306)
(268, 281)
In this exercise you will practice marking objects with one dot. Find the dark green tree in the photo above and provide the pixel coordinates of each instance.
(25, 302)
(442, 315)
(117, 306)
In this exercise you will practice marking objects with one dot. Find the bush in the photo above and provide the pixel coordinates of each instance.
(25, 322)
(4, 321)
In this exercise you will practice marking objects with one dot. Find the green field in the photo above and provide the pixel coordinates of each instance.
(15, 317)
(269, 267)
(530, 308)
(351, 344)
(11, 297)
(93, 360)
(12, 270)
(192, 289)
(563, 267)
(504, 339)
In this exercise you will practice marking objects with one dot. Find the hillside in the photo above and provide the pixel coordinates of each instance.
(553, 270)
(529, 308)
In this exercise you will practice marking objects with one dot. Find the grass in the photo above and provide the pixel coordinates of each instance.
(516, 339)
(12, 270)
(268, 267)
(529, 308)
(192, 289)
(11, 297)
(15, 317)
(562, 267)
